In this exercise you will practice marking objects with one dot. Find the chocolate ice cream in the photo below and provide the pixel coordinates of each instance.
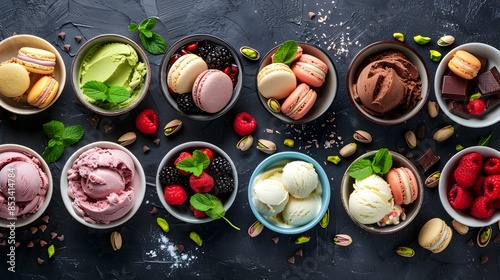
(388, 85)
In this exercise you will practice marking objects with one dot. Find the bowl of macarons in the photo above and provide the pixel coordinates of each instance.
(382, 191)
(296, 82)
(32, 74)
(467, 85)
(201, 77)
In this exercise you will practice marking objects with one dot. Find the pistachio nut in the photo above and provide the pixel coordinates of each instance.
(433, 179)
(163, 224)
(127, 138)
(459, 147)
(289, 142)
(172, 127)
(399, 36)
(325, 219)
(406, 252)
(342, 239)
(459, 227)
(348, 150)
(362, 136)
(273, 105)
(266, 146)
(302, 239)
(255, 229)
(411, 139)
(116, 240)
(484, 236)
(421, 40)
(245, 143)
(196, 238)
(475, 96)
(333, 159)
(444, 133)
(433, 109)
(435, 55)
(446, 40)
(250, 53)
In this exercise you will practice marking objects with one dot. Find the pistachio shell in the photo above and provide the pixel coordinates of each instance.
(446, 40)
(433, 179)
(266, 146)
(362, 136)
(172, 127)
(250, 53)
(116, 240)
(273, 105)
(432, 109)
(255, 229)
(459, 227)
(245, 143)
(411, 139)
(342, 240)
(127, 138)
(348, 150)
(406, 252)
(484, 236)
(444, 133)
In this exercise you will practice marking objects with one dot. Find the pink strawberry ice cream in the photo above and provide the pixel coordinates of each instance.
(23, 182)
(100, 184)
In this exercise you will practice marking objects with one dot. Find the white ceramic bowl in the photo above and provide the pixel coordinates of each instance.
(139, 180)
(8, 49)
(378, 47)
(480, 49)
(45, 168)
(182, 212)
(165, 66)
(326, 93)
(79, 58)
(446, 182)
(279, 160)
(411, 210)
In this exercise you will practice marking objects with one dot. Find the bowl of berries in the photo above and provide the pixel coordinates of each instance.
(197, 182)
(469, 186)
(201, 77)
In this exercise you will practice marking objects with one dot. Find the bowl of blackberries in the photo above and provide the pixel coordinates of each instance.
(201, 77)
(197, 182)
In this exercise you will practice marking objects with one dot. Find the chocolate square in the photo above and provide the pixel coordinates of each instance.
(458, 108)
(484, 63)
(454, 88)
(492, 101)
(428, 159)
(489, 82)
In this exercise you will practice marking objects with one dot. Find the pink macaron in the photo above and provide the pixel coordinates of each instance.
(403, 185)
(212, 90)
(310, 70)
(299, 102)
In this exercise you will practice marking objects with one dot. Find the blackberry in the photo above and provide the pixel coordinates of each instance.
(186, 104)
(223, 186)
(170, 175)
(220, 166)
(216, 57)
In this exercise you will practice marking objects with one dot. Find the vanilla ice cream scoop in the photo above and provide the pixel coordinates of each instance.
(300, 211)
(270, 196)
(300, 178)
(371, 199)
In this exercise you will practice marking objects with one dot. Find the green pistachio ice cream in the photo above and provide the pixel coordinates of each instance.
(115, 64)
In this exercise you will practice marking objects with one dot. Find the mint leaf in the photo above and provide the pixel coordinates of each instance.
(95, 90)
(484, 140)
(53, 151)
(54, 129)
(286, 52)
(196, 164)
(201, 158)
(360, 169)
(155, 44)
(211, 206)
(200, 202)
(72, 134)
(133, 27)
(383, 161)
(147, 24)
(117, 94)
(380, 164)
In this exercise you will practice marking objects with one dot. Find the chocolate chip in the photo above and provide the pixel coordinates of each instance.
(61, 35)
(78, 39)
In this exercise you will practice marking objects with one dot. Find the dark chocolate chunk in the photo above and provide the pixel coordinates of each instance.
(492, 101)
(484, 63)
(458, 108)
(489, 82)
(454, 88)
(428, 159)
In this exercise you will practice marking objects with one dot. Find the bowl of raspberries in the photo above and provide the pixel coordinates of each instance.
(201, 77)
(469, 187)
(195, 180)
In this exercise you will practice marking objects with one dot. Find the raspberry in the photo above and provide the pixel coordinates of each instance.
(496, 203)
(244, 123)
(169, 175)
(482, 208)
(473, 157)
(175, 194)
(459, 198)
(466, 173)
(492, 166)
(477, 189)
(209, 153)
(147, 121)
(476, 107)
(491, 187)
(182, 156)
(197, 213)
(201, 184)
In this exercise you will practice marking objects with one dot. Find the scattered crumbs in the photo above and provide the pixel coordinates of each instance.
(169, 252)
(269, 130)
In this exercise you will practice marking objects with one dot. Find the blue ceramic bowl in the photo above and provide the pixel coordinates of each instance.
(279, 160)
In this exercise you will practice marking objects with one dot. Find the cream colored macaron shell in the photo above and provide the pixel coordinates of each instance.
(276, 80)
(184, 71)
(14, 80)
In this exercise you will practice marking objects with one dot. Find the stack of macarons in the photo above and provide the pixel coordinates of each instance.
(293, 85)
(32, 66)
(211, 89)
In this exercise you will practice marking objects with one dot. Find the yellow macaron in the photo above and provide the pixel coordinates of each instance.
(37, 60)
(43, 92)
(435, 235)
(14, 79)
(276, 80)
(464, 64)
(184, 71)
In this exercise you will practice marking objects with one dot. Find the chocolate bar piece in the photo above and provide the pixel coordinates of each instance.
(489, 82)
(484, 63)
(458, 108)
(454, 88)
(428, 159)
(492, 101)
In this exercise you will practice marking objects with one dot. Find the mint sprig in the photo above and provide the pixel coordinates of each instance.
(380, 165)
(194, 165)
(153, 42)
(60, 137)
(211, 206)
(102, 92)
(286, 52)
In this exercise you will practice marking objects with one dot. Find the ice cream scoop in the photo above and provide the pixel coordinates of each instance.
(269, 193)
(371, 199)
(300, 211)
(300, 178)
